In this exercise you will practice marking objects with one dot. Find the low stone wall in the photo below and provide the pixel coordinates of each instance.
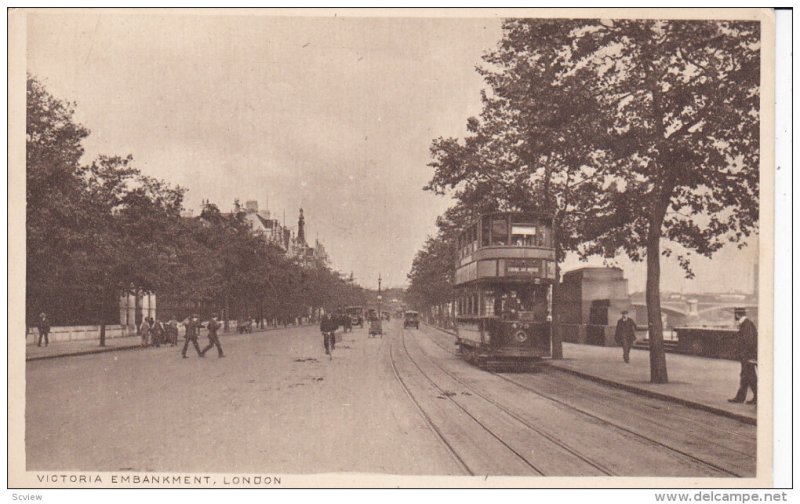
(587, 334)
(75, 333)
(82, 333)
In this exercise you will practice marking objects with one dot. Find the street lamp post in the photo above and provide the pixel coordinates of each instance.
(380, 310)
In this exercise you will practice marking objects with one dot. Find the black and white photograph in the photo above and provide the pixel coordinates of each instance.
(271, 248)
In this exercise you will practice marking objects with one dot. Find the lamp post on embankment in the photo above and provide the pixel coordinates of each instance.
(380, 307)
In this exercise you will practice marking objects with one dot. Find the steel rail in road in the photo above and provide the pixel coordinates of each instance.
(502, 442)
(553, 439)
(603, 420)
(450, 449)
(467, 412)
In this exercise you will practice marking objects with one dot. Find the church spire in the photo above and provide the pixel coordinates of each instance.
(301, 232)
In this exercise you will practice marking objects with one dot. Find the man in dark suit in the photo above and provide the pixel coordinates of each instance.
(328, 328)
(44, 329)
(747, 352)
(625, 335)
(192, 327)
(213, 338)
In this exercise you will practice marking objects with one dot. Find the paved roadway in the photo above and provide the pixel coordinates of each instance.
(401, 404)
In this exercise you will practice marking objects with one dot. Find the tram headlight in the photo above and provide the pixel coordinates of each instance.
(520, 336)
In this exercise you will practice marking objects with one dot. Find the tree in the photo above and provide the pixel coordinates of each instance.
(53, 196)
(92, 230)
(667, 146)
(431, 276)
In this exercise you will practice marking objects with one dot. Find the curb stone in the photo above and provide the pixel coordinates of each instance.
(643, 392)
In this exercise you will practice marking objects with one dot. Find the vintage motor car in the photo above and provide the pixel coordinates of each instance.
(411, 319)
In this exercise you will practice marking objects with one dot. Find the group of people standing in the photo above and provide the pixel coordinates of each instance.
(155, 333)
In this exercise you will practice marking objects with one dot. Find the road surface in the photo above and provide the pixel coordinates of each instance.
(401, 404)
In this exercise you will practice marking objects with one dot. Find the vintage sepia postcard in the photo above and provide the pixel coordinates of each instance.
(275, 248)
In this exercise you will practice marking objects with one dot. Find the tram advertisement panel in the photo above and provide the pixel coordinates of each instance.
(523, 267)
(536, 268)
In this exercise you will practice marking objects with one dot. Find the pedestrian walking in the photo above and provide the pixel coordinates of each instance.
(625, 334)
(44, 329)
(327, 327)
(213, 339)
(191, 326)
(144, 331)
(746, 348)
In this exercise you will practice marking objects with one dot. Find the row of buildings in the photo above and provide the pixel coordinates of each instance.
(292, 240)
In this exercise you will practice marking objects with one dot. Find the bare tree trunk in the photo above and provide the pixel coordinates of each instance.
(225, 311)
(103, 318)
(658, 361)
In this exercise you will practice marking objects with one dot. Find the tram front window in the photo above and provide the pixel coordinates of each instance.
(523, 235)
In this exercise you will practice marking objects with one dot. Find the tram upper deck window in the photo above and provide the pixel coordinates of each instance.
(486, 230)
(499, 230)
(472, 238)
(524, 235)
(530, 231)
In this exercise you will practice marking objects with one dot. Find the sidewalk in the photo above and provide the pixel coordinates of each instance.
(696, 382)
(80, 347)
(92, 346)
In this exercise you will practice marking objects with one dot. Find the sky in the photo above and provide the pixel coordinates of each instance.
(332, 114)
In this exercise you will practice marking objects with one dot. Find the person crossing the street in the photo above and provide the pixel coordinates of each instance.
(191, 326)
(213, 338)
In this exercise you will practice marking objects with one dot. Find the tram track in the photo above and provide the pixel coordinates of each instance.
(432, 426)
(464, 435)
(581, 411)
(684, 419)
(549, 437)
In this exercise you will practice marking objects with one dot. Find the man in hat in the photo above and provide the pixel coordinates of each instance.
(44, 329)
(746, 348)
(213, 339)
(625, 335)
(191, 326)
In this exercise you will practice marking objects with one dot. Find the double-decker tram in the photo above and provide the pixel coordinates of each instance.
(505, 269)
